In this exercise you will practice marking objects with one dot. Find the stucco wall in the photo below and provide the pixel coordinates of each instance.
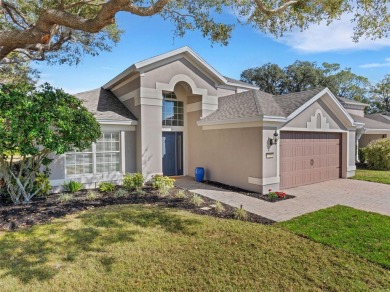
(127, 87)
(165, 73)
(229, 156)
(365, 139)
(356, 112)
(130, 152)
(301, 120)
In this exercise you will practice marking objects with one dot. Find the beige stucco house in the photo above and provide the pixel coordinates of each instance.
(174, 112)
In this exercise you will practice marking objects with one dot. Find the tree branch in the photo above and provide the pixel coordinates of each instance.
(274, 11)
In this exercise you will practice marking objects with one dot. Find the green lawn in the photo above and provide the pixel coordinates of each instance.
(362, 233)
(135, 247)
(379, 176)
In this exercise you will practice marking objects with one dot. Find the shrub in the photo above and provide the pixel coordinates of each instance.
(120, 193)
(362, 155)
(163, 183)
(378, 154)
(91, 195)
(240, 214)
(133, 181)
(63, 198)
(272, 195)
(72, 186)
(107, 187)
(219, 207)
(180, 194)
(196, 200)
(42, 182)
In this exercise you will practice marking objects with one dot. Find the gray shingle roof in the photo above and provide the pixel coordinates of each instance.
(370, 123)
(238, 82)
(380, 118)
(255, 103)
(292, 101)
(346, 100)
(104, 105)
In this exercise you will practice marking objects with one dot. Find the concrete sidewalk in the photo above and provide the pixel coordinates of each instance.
(367, 196)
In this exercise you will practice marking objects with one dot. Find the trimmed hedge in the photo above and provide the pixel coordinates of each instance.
(378, 154)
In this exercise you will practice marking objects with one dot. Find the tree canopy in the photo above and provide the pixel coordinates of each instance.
(35, 123)
(380, 96)
(304, 75)
(65, 30)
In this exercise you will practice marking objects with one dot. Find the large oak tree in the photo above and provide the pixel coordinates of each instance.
(64, 30)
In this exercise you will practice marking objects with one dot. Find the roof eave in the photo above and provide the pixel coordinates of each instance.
(117, 122)
(110, 84)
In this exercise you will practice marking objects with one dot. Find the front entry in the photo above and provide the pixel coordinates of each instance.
(172, 153)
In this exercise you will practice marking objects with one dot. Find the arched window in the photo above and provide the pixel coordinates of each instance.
(318, 125)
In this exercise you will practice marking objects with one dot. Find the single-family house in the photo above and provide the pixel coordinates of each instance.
(174, 112)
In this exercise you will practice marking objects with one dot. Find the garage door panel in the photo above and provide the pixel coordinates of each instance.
(308, 157)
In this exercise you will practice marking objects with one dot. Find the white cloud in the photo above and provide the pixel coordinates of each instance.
(335, 37)
(386, 63)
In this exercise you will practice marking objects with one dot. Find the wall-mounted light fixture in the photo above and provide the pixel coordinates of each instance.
(274, 140)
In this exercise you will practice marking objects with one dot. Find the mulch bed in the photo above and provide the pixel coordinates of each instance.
(247, 193)
(42, 210)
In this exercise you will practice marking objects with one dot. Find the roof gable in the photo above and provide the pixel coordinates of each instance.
(188, 54)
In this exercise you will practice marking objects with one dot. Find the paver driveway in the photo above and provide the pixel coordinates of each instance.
(362, 195)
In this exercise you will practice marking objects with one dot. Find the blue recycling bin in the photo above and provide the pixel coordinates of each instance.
(199, 174)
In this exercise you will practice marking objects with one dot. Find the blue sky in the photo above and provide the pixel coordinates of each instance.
(147, 37)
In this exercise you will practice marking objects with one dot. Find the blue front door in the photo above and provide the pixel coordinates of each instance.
(172, 153)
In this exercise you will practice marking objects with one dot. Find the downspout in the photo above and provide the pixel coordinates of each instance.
(359, 133)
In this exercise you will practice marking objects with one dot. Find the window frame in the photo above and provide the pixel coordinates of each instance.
(178, 110)
(94, 157)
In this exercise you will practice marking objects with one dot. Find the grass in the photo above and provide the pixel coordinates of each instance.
(146, 248)
(196, 200)
(362, 233)
(378, 176)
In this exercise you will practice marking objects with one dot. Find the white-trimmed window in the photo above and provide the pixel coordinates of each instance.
(172, 111)
(102, 157)
(80, 162)
(108, 153)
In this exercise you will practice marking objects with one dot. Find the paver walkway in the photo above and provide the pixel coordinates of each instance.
(361, 195)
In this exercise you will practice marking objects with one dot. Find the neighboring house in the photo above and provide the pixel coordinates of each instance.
(174, 112)
(374, 127)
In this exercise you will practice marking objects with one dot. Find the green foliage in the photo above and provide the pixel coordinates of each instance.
(33, 124)
(180, 194)
(304, 75)
(362, 155)
(18, 73)
(72, 186)
(196, 200)
(107, 187)
(163, 183)
(133, 181)
(91, 195)
(240, 214)
(378, 154)
(380, 96)
(121, 193)
(65, 198)
(219, 207)
(69, 45)
(42, 184)
(272, 195)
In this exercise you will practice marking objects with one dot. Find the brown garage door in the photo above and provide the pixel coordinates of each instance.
(307, 158)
